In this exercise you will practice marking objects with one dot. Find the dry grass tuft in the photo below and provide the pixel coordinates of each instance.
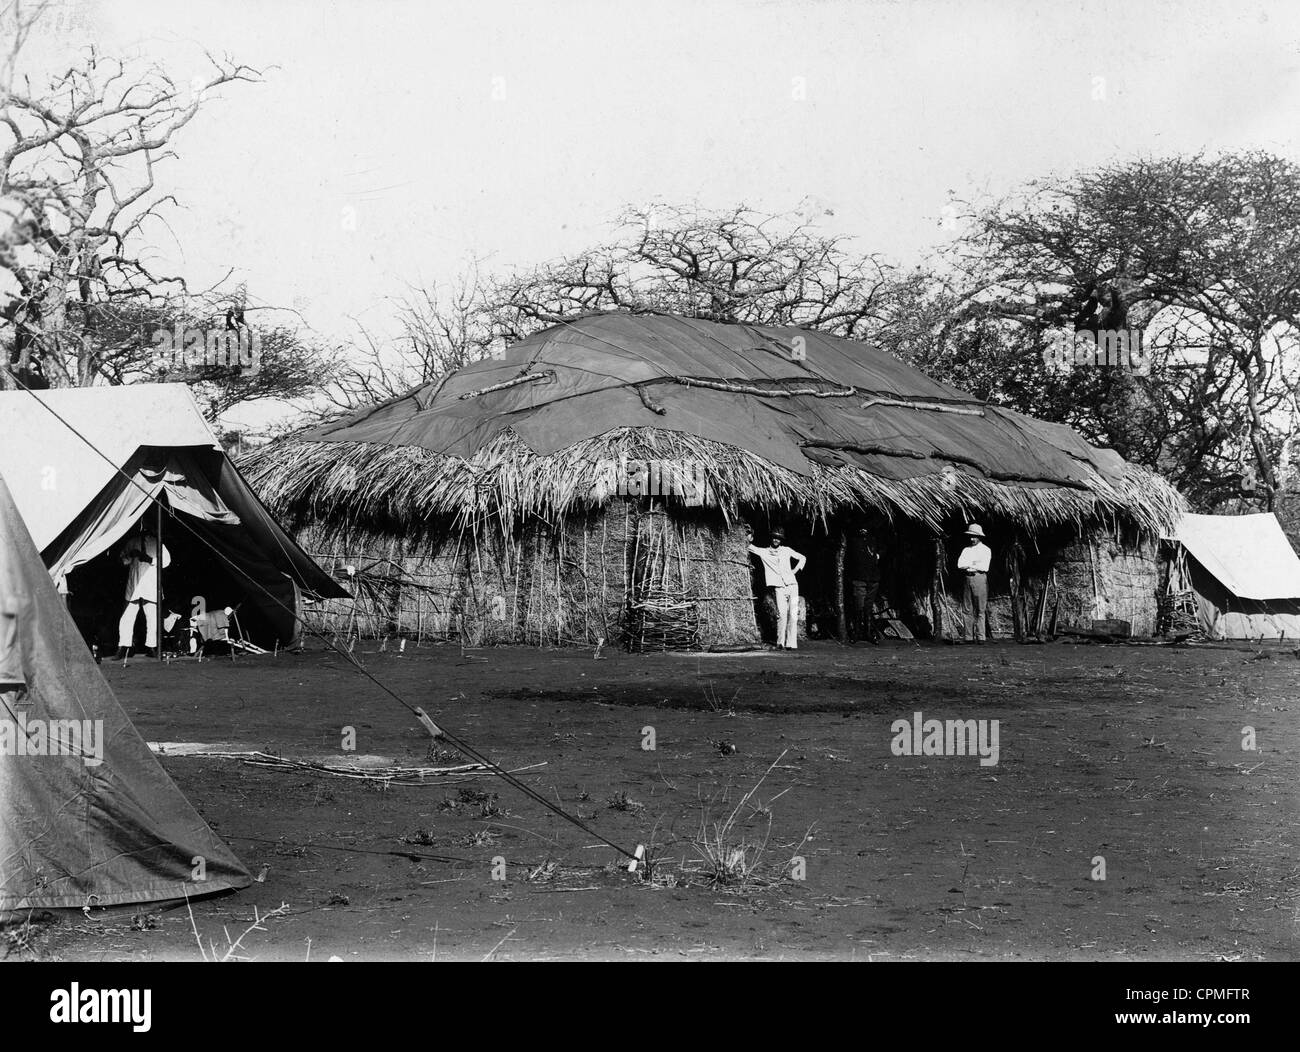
(731, 858)
(20, 937)
(621, 801)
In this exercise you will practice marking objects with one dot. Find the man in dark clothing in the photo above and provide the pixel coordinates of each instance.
(862, 571)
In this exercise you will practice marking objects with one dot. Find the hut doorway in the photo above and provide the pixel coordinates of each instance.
(817, 582)
(892, 567)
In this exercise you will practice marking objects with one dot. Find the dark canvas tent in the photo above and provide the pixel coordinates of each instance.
(156, 446)
(1243, 574)
(95, 821)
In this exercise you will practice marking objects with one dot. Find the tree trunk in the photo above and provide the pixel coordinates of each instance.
(1256, 420)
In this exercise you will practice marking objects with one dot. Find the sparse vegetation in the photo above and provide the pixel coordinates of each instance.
(621, 801)
(731, 857)
(234, 949)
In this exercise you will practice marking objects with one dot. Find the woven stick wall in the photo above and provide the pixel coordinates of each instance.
(1178, 612)
(548, 585)
(662, 610)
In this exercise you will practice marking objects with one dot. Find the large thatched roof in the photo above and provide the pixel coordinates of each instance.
(778, 416)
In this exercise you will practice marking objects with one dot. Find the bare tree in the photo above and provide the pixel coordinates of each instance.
(735, 265)
(79, 156)
(442, 328)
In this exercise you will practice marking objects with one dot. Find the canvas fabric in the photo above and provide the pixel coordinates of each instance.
(75, 834)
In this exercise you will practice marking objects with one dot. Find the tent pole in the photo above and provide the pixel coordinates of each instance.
(157, 580)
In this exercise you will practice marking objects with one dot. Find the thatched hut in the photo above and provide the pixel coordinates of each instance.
(595, 482)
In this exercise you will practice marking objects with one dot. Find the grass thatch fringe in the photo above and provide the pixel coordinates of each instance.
(351, 484)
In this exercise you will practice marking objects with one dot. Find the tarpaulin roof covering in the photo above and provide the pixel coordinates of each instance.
(75, 832)
(155, 444)
(1248, 554)
(588, 372)
(804, 402)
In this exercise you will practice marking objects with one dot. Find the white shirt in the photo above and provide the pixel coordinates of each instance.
(975, 557)
(776, 564)
(141, 577)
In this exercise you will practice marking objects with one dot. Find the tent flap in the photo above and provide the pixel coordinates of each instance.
(176, 476)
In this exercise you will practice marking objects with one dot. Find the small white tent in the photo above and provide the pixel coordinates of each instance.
(155, 446)
(1243, 573)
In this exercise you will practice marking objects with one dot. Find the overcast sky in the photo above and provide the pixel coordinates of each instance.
(393, 141)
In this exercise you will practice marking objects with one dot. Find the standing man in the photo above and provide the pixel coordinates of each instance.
(776, 559)
(141, 559)
(862, 568)
(974, 563)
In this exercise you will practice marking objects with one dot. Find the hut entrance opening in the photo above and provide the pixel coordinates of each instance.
(818, 594)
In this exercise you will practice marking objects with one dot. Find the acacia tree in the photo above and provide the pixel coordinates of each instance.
(1200, 254)
(735, 265)
(442, 328)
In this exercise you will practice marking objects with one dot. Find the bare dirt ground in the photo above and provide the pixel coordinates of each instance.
(1132, 754)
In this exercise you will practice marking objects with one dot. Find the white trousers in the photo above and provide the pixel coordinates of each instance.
(787, 615)
(126, 627)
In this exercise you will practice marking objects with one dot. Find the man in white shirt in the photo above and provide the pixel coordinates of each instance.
(974, 564)
(141, 558)
(779, 575)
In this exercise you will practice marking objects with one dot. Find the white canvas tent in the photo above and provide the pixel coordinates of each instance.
(88, 817)
(1243, 572)
(156, 446)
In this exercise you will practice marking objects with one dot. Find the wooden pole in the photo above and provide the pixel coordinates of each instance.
(1041, 612)
(841, 620)
(936, 588)
(1015, 585)
(157, 591)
